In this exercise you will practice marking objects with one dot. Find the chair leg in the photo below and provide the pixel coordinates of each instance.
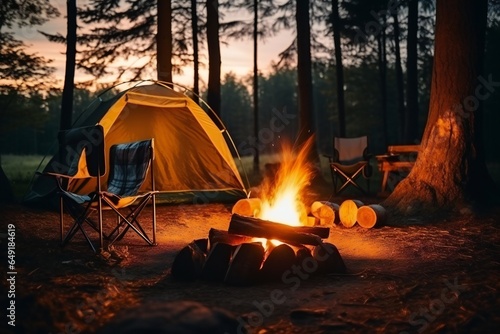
(81, 217)
(154, 217)
(61, 218)
(349, 180)
(130, 220)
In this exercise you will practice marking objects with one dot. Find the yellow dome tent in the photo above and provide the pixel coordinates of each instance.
(193, 162)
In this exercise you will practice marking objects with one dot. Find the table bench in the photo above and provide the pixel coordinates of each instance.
(398, 158)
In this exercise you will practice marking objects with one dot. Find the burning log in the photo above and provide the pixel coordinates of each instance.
(189, 261)
(302, 253)
(265, 229)
(217, 262)
(371, 215)
(326, 212)
(245, 265)
(216, 236)
(329, 259)
(348, 212)
(247, 207)
(280, 259)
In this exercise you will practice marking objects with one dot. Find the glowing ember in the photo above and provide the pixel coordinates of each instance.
(282, 196)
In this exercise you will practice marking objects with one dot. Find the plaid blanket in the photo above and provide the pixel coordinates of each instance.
(129, 164)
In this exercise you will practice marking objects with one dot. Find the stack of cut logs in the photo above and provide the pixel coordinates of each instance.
(367, 216)
(247, 253)
(326, 213)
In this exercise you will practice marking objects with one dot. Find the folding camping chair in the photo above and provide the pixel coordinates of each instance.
(129, 166)
(350, 160)
(81, 156)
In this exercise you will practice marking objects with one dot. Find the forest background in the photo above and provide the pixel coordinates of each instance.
(374, 40)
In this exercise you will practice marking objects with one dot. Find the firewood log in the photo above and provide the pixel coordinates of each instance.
(280, 259)
(217, 262)
(302, 253)
(245, 264)
(373, 215)
(215, 236)
(348, 212)
(247, 207)
(270, 230)
(188, 262)
(312, 221)
(325, 211)
(329, 259)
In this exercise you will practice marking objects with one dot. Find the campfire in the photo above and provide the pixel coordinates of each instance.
(270, 235)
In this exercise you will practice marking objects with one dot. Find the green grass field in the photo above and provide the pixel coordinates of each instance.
(20, 169)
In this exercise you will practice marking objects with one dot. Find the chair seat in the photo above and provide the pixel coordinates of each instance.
(78, 199)
(349, 169)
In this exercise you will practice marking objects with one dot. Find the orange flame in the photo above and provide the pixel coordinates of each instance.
(282, 196)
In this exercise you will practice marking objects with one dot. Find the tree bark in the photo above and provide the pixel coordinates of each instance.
(164, 41)
(69, 75)
(382, 67)
(411, 119)
(214, 57)
(256, 162)
(447, 168)
(399, 75)
(304, 73)
(196, 62)
(339, 67)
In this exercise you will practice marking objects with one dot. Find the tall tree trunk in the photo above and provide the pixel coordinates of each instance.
(196, 62)
(339, 67)
(481, 185)
(6, 193)
(164, 41)
(382, 67)
(304, 72)
(214, 57)
(256, 164)
(69, 75)
(411, 125)
(446, 174)
(399, 75)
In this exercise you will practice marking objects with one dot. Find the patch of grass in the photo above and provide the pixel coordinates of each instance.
(20, 169)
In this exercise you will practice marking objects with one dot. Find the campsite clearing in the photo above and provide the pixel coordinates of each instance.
(438, 276)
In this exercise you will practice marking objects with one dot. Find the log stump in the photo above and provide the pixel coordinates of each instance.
(247, 207)
(217, 262)
(245, 265)
(301, 254)
(373, 215)
(188, 262)
(348, 212)
(325, 212)
(329, 259)
(280, 259)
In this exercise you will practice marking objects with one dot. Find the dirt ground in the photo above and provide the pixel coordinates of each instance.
(416, 276)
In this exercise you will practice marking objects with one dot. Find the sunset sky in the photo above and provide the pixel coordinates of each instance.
(237, 56)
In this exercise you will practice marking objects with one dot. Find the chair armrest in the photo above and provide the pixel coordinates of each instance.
(57, 177)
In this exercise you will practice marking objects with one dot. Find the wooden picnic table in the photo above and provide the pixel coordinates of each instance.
(398, 158)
